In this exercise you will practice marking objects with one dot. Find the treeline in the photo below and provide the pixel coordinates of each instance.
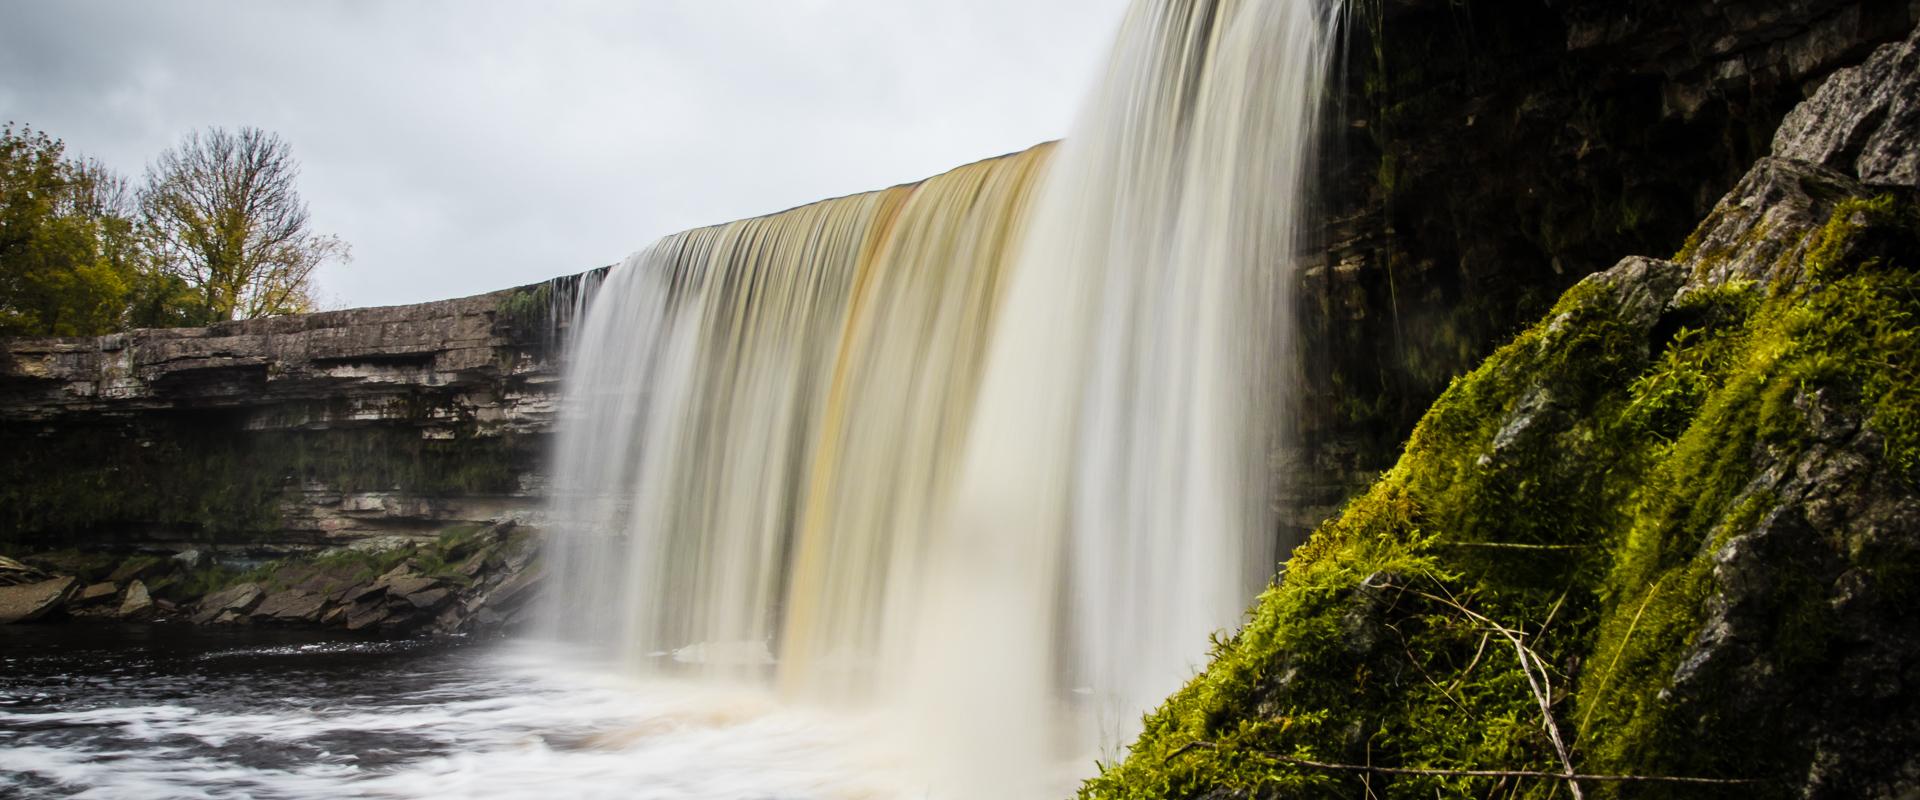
(215, 230)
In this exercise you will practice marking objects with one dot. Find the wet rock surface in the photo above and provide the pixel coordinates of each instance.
(1691, 492)
(469, 580)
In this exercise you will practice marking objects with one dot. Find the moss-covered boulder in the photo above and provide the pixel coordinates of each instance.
(1663, 544)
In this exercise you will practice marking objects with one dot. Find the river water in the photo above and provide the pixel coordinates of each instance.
(172, 712)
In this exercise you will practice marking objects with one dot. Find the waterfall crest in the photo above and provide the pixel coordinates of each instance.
(757, 408)
(991, 448)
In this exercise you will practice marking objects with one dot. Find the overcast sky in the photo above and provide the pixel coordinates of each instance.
(462, 147)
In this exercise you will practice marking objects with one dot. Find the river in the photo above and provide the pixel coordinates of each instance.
(156, 711)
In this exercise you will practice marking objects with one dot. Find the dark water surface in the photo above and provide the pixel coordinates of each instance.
(159, 711)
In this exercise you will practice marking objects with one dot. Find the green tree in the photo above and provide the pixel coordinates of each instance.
(222, 214)
(69, 255)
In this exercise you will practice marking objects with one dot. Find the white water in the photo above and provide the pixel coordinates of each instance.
(344, 719)
(983, 457)
(1186, 263)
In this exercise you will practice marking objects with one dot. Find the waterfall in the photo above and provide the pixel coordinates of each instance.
(990, 449)
(757, 410)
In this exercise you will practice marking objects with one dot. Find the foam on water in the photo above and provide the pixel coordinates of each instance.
(989, 453)
(524, 722)
(924, 492)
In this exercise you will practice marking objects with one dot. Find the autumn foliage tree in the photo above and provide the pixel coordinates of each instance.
(68, 256)
(221, 213)
(217, 232)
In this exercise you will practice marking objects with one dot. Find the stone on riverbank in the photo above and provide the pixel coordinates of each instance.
(32, 601)
(95, 594)
(138, 603)
(235, 600)
(470, 579)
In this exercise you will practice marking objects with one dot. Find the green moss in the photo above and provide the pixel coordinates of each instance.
(1573, 489)
(528, 308)
(338, 568)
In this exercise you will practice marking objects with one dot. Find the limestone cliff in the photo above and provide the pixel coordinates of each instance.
(1488, 156)
(285, 432)
(1492, 154)
(1662, 544)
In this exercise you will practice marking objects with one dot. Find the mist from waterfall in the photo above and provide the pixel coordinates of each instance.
(988, 453)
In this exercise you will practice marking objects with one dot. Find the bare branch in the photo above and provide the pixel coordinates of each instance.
(1538, 681)
(224, 212)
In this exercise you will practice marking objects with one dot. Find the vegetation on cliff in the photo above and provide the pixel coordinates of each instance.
(71, 262)
(215, 231)
(1555, 576)
(1497, 153)
(1662, 544)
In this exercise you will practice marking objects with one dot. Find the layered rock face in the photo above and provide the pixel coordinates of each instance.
(1486, 157)
(1662, 544)
(286, 433)
(1493, 153)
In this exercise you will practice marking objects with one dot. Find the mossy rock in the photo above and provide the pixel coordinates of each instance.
(1690, 510)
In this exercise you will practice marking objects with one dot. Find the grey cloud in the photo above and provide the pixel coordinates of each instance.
(462, 147)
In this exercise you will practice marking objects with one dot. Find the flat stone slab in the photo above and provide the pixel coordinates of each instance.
(291, 605)
(428, 599)
(31, 601)
(96, 593)
(238, 599)
(411, 584)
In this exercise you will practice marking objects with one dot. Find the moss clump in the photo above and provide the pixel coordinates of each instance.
(1572, 491)
(1847, 339)
(1366, 648)
(528, 308)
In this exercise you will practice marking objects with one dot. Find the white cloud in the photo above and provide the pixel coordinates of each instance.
(462, 147)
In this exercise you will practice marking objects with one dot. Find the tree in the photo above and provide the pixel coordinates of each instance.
(221, 212)
(69, 258)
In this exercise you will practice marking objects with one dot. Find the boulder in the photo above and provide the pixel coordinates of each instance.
(429, 599)
(366, 616)
(515, 591)
(95, 594)
(1864, 120)
(236, 600)
(28, 602)
(137, 603)
(354, 594)
(291, 605)
(409, 584)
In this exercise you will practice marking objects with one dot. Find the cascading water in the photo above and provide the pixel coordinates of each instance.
(988, 450)
(1198, 155)
(757, 410)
